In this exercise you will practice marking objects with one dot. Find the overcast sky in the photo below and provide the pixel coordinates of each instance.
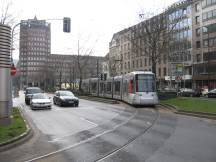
(93, 22)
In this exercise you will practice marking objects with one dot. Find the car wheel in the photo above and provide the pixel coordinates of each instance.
(27, 102)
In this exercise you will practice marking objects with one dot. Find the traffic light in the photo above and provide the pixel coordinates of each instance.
(66, 24)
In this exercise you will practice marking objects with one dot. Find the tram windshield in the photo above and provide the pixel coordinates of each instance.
(145, 83)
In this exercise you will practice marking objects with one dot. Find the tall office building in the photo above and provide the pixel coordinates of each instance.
(35, 45)
(204, 43)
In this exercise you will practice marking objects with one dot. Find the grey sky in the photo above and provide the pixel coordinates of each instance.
(93, 22)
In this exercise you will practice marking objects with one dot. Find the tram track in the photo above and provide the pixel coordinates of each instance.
(148, 125)
(131, 140)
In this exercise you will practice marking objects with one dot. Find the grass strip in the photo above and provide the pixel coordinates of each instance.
(192, 104)
(16, 128)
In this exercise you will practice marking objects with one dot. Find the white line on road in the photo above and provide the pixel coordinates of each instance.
(68, 135)
(148, 123)
(95, 124)
(81, 142)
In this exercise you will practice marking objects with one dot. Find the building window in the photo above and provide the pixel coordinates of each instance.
(198, 57)
(204, 16)
(197, 7)
(198, 32)
(128, 65)
(197, 19)
(209, 15)
(149, 61)
(206, 3)
(198, 44)
(209, 56)
(164, 71)
(159, 71)
(205, 43)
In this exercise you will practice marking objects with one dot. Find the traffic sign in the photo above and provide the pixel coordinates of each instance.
(13, 70)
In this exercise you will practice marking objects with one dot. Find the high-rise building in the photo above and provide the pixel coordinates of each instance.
(35, 45)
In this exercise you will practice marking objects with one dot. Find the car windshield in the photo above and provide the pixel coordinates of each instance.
(66, 93)
(213, 91)
(31, 91)
(40, 96)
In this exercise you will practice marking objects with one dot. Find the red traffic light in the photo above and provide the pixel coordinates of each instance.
(13, 70)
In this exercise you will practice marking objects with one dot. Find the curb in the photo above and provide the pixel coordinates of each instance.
(19, 139)
(109, 101)
(176, 110)
(170, 107)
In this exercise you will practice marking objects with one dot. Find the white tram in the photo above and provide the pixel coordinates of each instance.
(135, 88)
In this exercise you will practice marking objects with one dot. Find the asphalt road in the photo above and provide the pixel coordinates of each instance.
(114, 133)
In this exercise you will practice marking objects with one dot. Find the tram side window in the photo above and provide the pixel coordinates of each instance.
(131, 86)
(108, 90)
(145, 83)
(125, 87)
(117, 87)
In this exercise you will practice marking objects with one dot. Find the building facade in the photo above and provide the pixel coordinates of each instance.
(63, 69)
(179, 17)
(38, 67)
(35, 45)
(204, 44)
(188, 57)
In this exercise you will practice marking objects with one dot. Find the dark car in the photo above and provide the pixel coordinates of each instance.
(187, 92)
(65, 98)
(212, 94)
(29, 92)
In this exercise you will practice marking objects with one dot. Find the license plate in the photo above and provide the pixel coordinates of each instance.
(71, 102)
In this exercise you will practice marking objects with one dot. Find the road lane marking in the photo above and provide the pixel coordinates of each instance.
(68, 135)
(148, 123)
(84, 141)
(95, 124)
(62, 137)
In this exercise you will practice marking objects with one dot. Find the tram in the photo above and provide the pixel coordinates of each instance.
(135, 88)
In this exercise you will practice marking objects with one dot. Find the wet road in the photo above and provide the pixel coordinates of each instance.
(103, 132)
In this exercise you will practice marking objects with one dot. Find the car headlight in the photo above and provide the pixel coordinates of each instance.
(62, 98)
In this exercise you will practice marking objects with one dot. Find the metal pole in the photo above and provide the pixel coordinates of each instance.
(97, 77)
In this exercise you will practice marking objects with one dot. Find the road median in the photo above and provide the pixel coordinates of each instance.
(192, 107)
(16, 133)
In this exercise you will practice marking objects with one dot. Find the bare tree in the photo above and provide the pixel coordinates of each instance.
(154, 34)
(6, 17)
(84, 53)
(82, 62)
(150, 38)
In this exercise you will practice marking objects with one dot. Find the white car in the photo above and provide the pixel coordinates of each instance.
(40, 101)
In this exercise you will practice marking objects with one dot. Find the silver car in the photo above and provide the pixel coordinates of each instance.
(40, 101)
